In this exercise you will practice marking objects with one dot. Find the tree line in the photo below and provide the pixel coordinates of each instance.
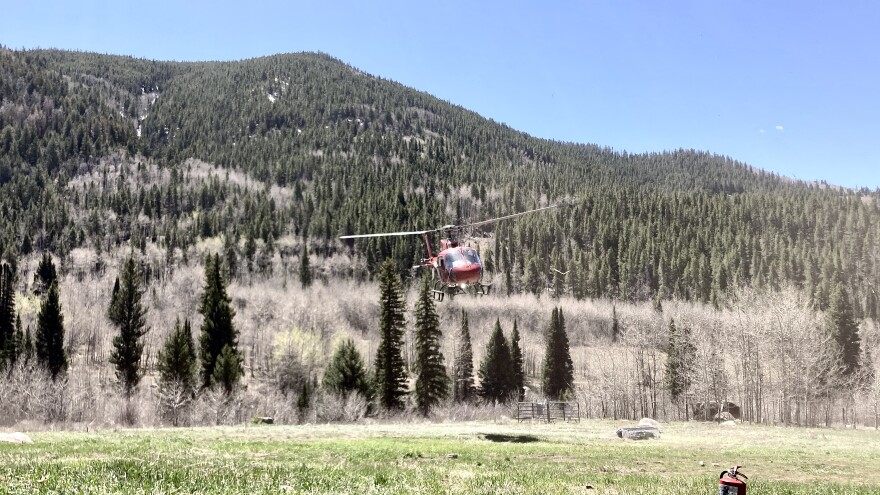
(214, 361)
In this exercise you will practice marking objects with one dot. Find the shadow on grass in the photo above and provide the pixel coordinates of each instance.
(494, 437)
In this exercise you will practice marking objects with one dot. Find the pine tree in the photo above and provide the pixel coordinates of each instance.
(615, 325)
(177, 364)
(113, 309)
(218, 330)
(463, 367)
(26, 245)
(496, 369)
(45, 275)
(305, 270)
(227, 369)
(129, 316)
(7, 315)
(176, 361)
(230, 255)
(304, 398)
(432, 382)
(558, 366)
(516, 357)
(346, 372)
(390, 370)
(680, 361)
(250, 250)
(49, 344)
(17, 350)
(28, 352)
(844, 330)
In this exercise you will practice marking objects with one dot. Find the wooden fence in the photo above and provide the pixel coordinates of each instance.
(548, 411)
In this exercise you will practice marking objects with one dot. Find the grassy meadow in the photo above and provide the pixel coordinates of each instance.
(492, 458)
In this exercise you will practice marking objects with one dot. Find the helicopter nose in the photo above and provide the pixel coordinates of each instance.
(469, 274)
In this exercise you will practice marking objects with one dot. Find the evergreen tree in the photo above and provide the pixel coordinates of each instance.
(844, 330)
(129, 316)
(346, 372)
(615, 325)
(305, 270)
(49, 343)
(516, 357)
(432, 382)
(680, 362)
(27, 351)
(250, 250)
(26, 245)
(7, 315)
(390, 370)
(113, 309)
(230, 255)
(496, 369)
(16, 349)
(558, 366)
(463, 367)
(227, 369)
(45, 275)
(176, 361)
(218, 330)
(304, 398)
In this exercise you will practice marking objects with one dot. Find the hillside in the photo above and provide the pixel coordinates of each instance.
(99, 151)
(103, 158)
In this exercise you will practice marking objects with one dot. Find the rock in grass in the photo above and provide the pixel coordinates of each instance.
(452, 456)
(17, 437)
(638, 433)
(651, 423)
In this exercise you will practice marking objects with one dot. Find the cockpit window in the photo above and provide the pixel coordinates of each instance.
(462, 258)
(472, 256)
(454, 259)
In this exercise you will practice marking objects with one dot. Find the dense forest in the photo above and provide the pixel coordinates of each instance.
(328, 150)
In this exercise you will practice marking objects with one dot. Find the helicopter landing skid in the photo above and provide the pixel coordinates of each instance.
(441, 290)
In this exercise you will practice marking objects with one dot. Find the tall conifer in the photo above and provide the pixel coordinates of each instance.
(7, 315)
(218, 330)
(305, 269)
(49, 344)
(516, 357)
(45, 274)
(496, 369)
(129, 315)
(390, 370)
(432, 382)
(177, 359)
(463, 367)
(558, 366)
(844, 330)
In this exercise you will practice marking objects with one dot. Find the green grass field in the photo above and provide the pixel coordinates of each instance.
(414, 458)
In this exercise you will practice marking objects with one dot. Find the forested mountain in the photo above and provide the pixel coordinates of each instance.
(99, 151)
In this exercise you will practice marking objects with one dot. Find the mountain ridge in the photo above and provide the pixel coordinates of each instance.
(363, 154)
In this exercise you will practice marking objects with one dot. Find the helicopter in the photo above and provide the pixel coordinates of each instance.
(455, 269)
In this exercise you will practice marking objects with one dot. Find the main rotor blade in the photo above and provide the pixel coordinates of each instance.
(417, 232)
(484, 222)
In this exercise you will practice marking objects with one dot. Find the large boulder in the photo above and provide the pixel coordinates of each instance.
(638, 433)
(651, 423)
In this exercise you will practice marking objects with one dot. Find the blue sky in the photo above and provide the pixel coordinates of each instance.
(792, 87)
